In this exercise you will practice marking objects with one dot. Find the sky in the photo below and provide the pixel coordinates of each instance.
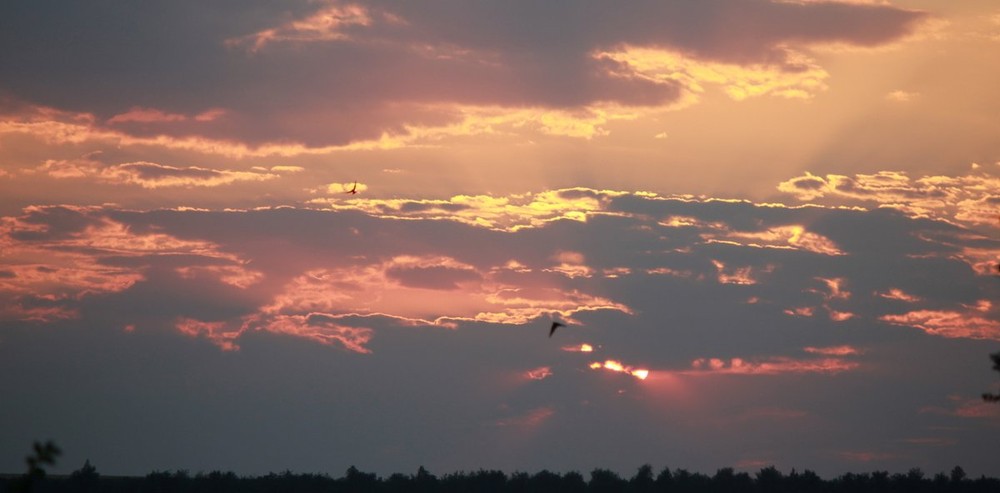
(771, 227)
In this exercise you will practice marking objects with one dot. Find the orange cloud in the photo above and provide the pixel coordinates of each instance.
(619, 367)
(539, 373)
(950, 324)
(899, 294)
(739, 275)
(804, 311)
(900, 96)
(739, 82)
(55, 127)
(329, 23)
(508, 213)
(149, 175)
(792, 237)
(835, 289)
(969, 199)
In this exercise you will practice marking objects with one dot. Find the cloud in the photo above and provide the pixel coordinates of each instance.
(152, 175)
(952, 324)
(439, 290)
(508, 213)
(65, 254)
(900, 96)
(769, 366)
(330, 23)
(834, 350)
(523, 63)
(146, 115)
(793, 237)
(969, 199)
(619, 367)
(368, 303)
(793, 76)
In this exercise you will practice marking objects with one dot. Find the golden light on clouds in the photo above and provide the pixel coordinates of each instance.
(619, 367)
(797, 76)
(792, 237)
(502, 213)
(326, 24)
(969, 198)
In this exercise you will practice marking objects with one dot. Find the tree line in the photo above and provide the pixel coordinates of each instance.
(645, 480)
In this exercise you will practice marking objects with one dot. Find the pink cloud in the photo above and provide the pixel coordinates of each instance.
(319, 327)
(217, 332)
(62, 252)
(967, 324)
(834, 350)
(966, 408)
(770, 366)
(410, 286)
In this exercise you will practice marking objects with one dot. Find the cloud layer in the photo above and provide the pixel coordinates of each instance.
(664, 293)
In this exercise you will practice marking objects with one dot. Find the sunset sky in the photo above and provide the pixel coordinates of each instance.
(771, 227)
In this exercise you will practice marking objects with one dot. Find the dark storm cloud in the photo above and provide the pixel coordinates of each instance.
(266, 72)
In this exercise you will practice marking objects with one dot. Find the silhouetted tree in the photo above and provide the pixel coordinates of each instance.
(42, 454)
(664, 481)
(356, 481)
(996, 366)
(85, 479)
(643, 481)
(603, 480)
(726, 480)
(573, 482)
(770, 479)
(806, 481)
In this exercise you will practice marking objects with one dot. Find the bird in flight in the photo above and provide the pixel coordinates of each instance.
(555, 325)
(354, 189)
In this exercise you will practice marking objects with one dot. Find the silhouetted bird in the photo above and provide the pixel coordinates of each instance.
(555, 325)
(353, 190)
